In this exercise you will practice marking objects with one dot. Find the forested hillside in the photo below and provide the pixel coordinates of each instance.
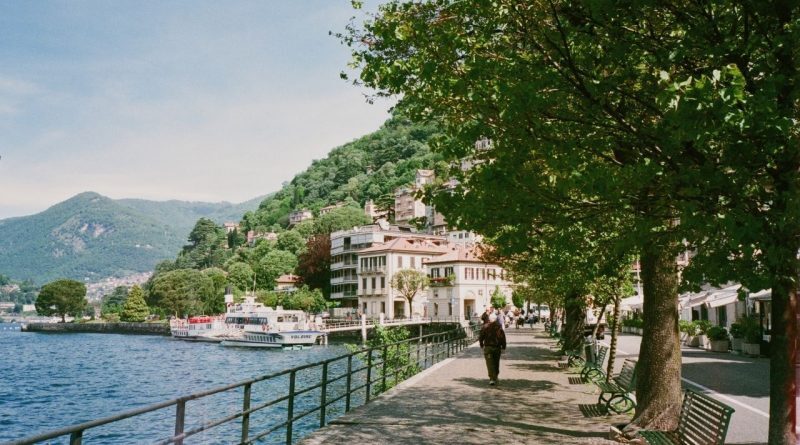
(371, 167)
(90, 236)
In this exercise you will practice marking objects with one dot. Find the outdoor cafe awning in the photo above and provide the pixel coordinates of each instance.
(762, 295)
(723, 296)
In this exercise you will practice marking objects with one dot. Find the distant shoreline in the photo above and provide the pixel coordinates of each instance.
(100, 328)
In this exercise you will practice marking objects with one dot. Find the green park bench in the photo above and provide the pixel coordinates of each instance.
(702, 420)
(593, 369)
(616, 395)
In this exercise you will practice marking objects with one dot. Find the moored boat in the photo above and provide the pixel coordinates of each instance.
(199, 328)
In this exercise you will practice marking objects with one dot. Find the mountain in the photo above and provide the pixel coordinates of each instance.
(91, 237)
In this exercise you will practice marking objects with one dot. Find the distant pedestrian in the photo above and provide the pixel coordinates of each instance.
(493, 341)
(501, 319)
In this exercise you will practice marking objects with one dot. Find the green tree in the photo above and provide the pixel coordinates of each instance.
(180, 292)
(498, 299)
(273, 265)
(291, 241)
(397, 358)
(113, 302)
(62, 297)
(135, 308)
(215, 301)
(240, 275)
(305, 299)
(340, 219)
(408, 283)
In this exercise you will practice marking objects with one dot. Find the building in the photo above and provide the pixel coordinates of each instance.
(371, 210)
(463, 237)
(286, 283)
(378, 264)
(345, 247)
(253, 236)
(330, 208)
(230, 227)
(462, 282)
(406, 206)
(299, 216)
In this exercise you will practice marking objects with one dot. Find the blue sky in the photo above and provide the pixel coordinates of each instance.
(191, 100)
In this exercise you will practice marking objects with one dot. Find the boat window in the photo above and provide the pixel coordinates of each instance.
(280, 319)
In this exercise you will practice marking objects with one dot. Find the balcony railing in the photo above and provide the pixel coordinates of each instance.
(373, 269)
(442, 281)
(369, 292)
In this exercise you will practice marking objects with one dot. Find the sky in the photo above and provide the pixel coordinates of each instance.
(154, 99)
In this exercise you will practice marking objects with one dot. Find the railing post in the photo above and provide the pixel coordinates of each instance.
(76, 438)
(323, 395)
(180, 417)
(290, 409)
(369, 375)
(246, 415)
(383, 373)
(349, 380)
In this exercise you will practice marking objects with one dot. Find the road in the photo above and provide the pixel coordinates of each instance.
(738, 381)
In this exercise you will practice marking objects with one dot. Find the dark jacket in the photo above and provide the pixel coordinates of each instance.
(492, 335)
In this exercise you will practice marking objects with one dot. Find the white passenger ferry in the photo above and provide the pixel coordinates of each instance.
(250, 324)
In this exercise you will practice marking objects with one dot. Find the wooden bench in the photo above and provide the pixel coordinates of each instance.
(593, 369)
(703, 420)
(616, 395)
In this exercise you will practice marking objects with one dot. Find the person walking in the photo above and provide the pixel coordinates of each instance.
(492, 340)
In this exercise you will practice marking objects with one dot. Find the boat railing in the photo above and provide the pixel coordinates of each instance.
(308, 395)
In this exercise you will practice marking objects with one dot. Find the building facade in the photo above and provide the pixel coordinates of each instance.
(462, 283)
(377, 266)
(299, 216)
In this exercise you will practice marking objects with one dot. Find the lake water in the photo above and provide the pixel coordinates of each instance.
(49, 381)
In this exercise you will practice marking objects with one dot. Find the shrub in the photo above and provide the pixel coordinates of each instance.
(737, 331)
(702, 326)
(751, 329)
(717, 333)
(687, 327)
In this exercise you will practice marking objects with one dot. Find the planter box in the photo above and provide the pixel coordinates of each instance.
(751, 349)
(719, 345)
(736, 344)
(684, 337)
(693, 341)
(703, 340)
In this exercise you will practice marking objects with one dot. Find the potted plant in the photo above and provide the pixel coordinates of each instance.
(717, 338)
(737, 335)
(702, 329)
(752, 336)
(686, 328)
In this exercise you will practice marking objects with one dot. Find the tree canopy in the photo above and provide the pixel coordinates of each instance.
(62, 297)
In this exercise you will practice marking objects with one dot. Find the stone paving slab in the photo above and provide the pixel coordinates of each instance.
(452, 403)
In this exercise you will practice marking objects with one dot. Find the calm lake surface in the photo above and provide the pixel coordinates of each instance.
(50, 381)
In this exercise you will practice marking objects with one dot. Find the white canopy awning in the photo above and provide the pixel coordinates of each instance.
(762, 295)
(631, 303)
(723, 296)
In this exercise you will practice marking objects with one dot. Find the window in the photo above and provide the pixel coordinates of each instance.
(413, 262)
(365, 307)
(373, 283)
(722, 316)
(363, 283)
(465, 273)
(435, 272)
(435, 309)
(383, 282)
(383, 307)
(450, 309)
(399, 262)
(448, 271)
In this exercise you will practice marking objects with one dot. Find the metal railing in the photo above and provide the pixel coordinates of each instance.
(344, 382)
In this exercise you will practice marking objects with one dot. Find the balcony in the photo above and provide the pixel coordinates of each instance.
(373, 270)
(442, 281)
(372, 292)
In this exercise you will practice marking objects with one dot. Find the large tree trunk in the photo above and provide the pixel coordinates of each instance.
(612, 350)
(573, 330)
(783, 355)
(658, 372)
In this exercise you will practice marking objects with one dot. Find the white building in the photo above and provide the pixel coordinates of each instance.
(462, 283)
(378, 264)
(299, 216)
(345, 246)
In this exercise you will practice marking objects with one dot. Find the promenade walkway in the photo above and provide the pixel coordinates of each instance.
(452, 403)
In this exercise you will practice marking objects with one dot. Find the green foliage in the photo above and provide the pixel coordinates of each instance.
(274, 264)
(717, 333)
(113, 302)
(240, 275)
(135, 309)
(408, 282)
(304, 299)
(498, 299)
(398, 365)
(314, 264)
(751, 328)
(737, 330)
(701, 326)
(206, 248)
(62, 297)
(180, 292)
(291, 241)
(340, 219)
(687, 327)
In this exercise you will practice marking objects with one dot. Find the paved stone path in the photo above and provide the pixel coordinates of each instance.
(452, 403)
